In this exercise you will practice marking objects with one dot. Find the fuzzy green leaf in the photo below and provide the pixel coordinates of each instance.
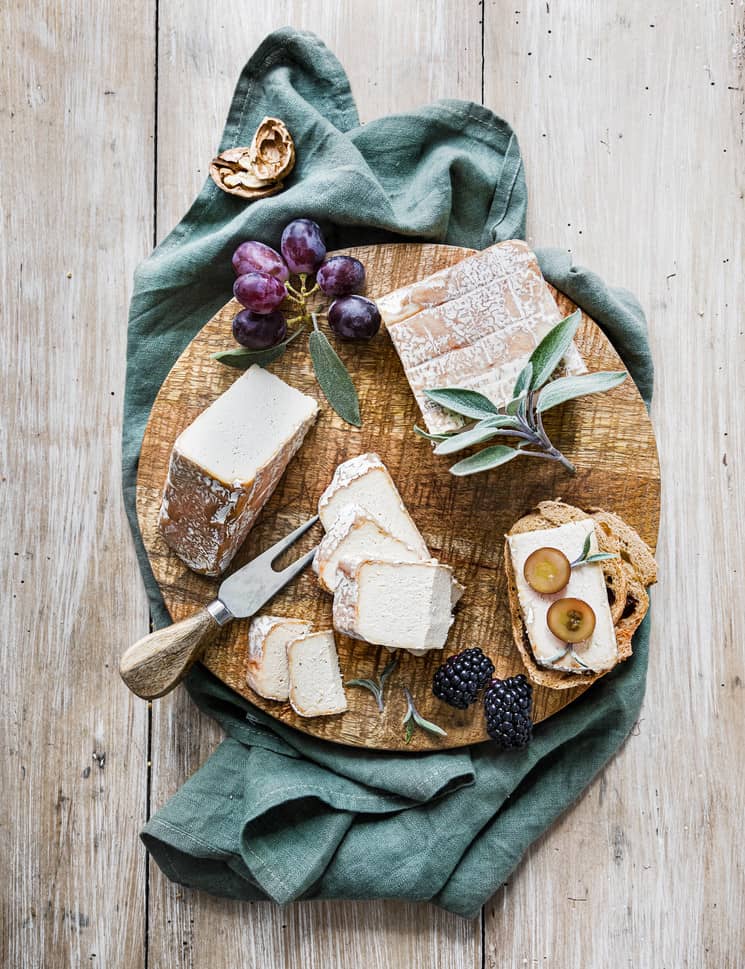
(430, 437)
(490, 457)
(372, 687)
(242, 358)
(469, 403)
(458, 442)
(523, 380)
(599, 557)
(567, 388)
(547, 355)
(428, 725)
(334, 380)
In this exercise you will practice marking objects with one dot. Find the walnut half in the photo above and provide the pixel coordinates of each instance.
(256, 171)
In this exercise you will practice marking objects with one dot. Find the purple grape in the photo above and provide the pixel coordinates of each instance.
(354, 318)
(256, 257)
(302, 246)
(259, 292)
(341, 275)
(259, 331)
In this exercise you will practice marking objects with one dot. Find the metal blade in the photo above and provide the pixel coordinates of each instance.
(247, 590)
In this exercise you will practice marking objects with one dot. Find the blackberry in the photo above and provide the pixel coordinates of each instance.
(460, 678)
(507, 706)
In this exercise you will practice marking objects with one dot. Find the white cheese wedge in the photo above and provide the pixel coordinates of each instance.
(357, 535)
(268, 671)
(365, 481)
(225, 466)
(473, 325)
(316, 688)
(401, 605)
(587, 582)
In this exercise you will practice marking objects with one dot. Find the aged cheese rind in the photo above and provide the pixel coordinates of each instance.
(364, 480)
(316, 687)
(268, 637)
(474, 328)
(400, 605)
(587, 582)
(356, 534)
(212, 498)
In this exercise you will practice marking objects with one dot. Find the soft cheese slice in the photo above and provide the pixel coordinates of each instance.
(316, 688)
(402, 605)
(225, 466)
(365, 481)
(268, 672)
(587, 582)
(357, 535)
(473, 327)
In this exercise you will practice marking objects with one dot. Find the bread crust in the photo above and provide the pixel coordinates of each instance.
(626, 579)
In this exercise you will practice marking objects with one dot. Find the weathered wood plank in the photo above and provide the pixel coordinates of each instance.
(630, 121)
(76, 153)
(397, 56)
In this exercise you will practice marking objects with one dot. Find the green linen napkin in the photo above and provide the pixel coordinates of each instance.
(274, 813)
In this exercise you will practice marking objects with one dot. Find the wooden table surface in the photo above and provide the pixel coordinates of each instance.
(630, 116)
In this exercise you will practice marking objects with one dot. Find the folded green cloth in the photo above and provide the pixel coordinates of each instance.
(274, 813)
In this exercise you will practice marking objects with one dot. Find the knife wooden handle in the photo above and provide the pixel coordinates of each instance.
(156, 663)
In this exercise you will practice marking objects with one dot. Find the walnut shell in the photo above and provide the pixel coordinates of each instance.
(256, 171)
(272, 150)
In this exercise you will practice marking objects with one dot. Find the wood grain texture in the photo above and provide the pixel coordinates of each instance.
(75, 218)
(630, 117)
(463, 520)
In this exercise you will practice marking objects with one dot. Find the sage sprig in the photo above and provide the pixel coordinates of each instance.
(242, 358)
(414, 719)
(585, 558)
(521, 418)
(377, 686)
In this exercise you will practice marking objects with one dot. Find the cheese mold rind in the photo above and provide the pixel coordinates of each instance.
(226, 464)
(268, 637)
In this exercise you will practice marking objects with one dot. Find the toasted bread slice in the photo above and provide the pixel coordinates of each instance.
(625, 578)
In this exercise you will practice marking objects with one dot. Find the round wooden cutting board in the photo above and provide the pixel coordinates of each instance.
(608, 437)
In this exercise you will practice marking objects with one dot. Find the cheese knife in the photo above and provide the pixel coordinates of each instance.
(158, 662)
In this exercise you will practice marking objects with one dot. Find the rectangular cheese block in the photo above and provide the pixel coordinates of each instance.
(365, 481)
(401, 605)
(268, 671)
(356, 535)
(474, 326)
(226, 464)
(586, 582)
(316, 688)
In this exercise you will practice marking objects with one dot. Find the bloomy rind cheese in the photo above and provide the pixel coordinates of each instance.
(257, 675)
(351, 519)
(474, 326)
(205, 519)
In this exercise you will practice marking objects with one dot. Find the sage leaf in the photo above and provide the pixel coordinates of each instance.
(372, 687)
(333, 379)
(599, 557)
(586, 547)
(483, 431)
(413, 717)
(430, 437)
(389, 667)
(490, 457)
(523, 380)
(428, 725)
(242, 358)
(547, 355)
(567, 388)
(469, 403)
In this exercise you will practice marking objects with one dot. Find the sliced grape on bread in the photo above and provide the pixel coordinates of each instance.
(626, 577)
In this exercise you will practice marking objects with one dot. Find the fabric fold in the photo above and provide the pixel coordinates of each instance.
(275, 813)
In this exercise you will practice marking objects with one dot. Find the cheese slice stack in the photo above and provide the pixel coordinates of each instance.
(355, 535)
(268, 672)
(587, 582)
(401, 605)
(473, 325)
(225, 466)
(387, 588)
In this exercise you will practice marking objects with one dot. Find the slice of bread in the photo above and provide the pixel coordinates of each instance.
(626, 579)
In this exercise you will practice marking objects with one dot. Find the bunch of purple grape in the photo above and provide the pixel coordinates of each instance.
(264, 282)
